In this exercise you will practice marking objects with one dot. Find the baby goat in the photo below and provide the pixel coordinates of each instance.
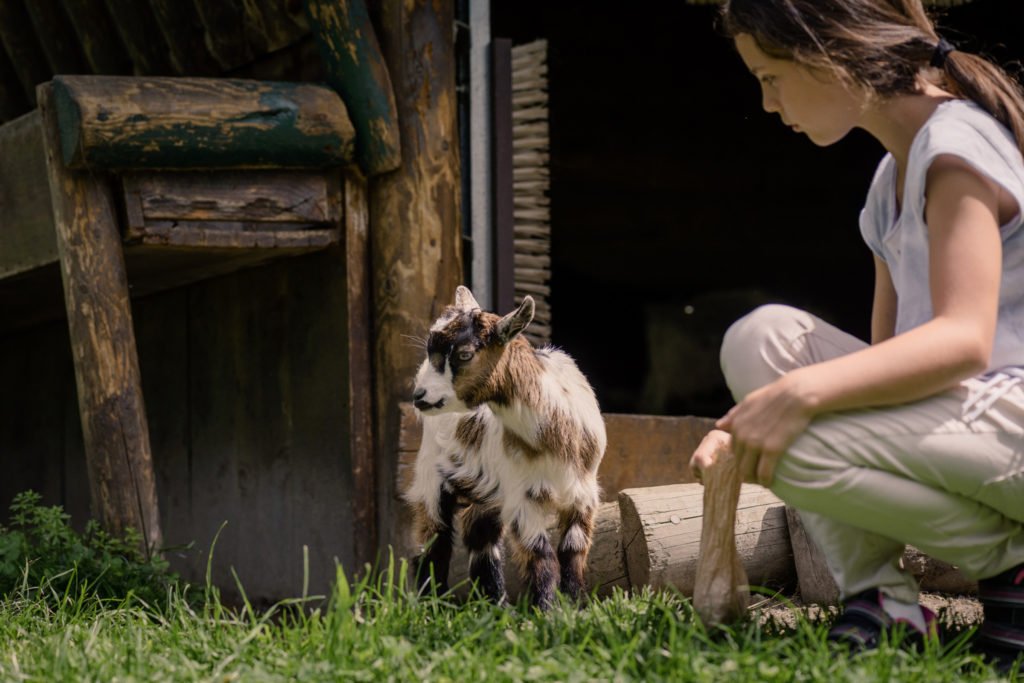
(514, 432)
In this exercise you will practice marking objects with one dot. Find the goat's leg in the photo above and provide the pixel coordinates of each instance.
(481, 533)
(532, 551)
(434, 529)
(577, 527)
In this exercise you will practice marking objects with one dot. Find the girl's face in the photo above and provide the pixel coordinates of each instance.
(810, 102)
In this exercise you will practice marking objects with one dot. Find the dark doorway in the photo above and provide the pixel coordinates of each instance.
(678, 204)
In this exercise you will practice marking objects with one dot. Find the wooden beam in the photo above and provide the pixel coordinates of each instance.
(27, 238)
(117, 122)
(137, 26)
(502, 192)
(414, 218)
(360, 369)
(114, 427)
(356, 69)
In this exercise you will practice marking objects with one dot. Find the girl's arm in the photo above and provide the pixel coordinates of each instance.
(964, 272)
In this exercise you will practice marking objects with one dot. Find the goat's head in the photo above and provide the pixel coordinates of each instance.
(463, 349)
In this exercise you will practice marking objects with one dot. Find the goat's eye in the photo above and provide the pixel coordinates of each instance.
(464, 356)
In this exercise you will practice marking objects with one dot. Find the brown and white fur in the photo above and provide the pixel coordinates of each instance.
(515, 432)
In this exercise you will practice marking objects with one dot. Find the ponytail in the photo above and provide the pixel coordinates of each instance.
(975, 78)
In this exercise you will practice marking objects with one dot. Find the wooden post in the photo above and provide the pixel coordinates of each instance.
(356, 69)
(414, 220)
(360, 369)
(116, 435)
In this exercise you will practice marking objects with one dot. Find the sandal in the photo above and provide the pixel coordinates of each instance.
(1000, 638)
(864, 623)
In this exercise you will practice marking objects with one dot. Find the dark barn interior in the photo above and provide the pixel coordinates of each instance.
(678, 204)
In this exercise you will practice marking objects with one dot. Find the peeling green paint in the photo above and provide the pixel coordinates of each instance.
(356, 70)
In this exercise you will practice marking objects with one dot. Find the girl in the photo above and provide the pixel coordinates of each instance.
(919, 437)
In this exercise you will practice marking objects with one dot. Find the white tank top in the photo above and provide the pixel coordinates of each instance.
(963, 129)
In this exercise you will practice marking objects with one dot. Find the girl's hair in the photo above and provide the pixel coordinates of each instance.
(881, 45)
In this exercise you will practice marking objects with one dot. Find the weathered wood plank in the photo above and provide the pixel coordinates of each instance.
(414, 216)
(268, 425)
(27, 239)
(207, 235)
(139, 31)
(357, 70)
(163, 123)
(360, 373)
(13, 102)
(643, 450)
(22, 46)
(661, 531)
(234, 33)
(251, 197)
(183, 29)
(98, 36)
(56, 36)
(114, 426)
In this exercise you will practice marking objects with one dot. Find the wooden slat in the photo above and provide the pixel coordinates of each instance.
(22, 46)
(174, 123)
(503, 207)
(271, 197)
(98, 36)
(57, 36)
(360, 373)
(233, 29)
(643, 450)
(185, 34)
(141, 35)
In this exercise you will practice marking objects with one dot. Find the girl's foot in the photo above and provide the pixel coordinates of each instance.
(864, 623)
(1000, 639)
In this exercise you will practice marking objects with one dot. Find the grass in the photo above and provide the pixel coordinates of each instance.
(376, 630)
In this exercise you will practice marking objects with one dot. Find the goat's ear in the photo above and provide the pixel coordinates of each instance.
(465, 299)
(515, 322)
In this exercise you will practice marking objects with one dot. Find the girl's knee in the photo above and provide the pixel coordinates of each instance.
(744, 360)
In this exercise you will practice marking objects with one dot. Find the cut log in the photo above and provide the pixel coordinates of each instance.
(118, 122)
(661, 531)
(606, 567)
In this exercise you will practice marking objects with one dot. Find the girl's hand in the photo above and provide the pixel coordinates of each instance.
(763, 425)
(713, 443)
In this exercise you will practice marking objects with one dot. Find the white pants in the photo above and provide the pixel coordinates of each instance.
(866, 482)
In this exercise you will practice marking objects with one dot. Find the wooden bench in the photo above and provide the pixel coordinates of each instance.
(119, 187)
